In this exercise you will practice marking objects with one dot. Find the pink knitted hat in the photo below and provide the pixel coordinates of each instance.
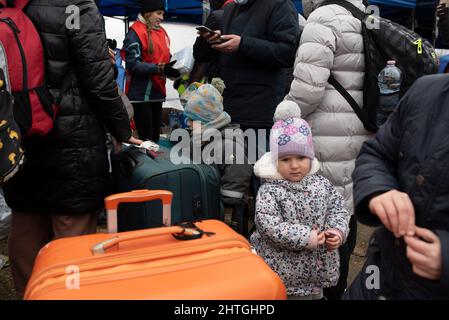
(290, 135)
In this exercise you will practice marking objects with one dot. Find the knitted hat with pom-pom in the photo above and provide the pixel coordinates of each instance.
(290, 135)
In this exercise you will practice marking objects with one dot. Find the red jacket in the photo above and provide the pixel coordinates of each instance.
(161, 54)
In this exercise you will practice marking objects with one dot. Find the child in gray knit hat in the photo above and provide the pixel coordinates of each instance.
(300, 217)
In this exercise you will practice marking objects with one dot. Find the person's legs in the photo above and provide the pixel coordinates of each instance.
(143, 119)
(156, 115)
(29, 233)
(74, 225)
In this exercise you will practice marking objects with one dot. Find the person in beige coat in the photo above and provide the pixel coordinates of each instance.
(332, 44)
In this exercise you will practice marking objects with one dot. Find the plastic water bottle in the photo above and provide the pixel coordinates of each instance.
(389, 80)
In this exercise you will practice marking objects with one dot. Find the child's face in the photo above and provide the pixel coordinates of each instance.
(154, 18)
(293, 168)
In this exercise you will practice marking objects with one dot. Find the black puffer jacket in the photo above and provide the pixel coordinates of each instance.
(410, 153)
(67, 171)
(255, 76)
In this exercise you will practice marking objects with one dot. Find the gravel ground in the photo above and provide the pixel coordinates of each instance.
(6, 287)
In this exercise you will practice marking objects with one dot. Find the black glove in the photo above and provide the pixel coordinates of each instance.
(170, 72)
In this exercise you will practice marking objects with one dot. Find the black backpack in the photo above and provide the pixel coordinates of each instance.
(391, 41)
(11, 155)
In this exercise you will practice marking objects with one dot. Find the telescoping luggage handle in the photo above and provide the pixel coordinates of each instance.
(112, 203)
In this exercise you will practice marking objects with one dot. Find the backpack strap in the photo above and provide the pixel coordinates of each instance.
(361, 114)
(357, 110)
(356, 12)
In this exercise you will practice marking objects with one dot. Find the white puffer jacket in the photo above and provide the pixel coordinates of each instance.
(331, 43)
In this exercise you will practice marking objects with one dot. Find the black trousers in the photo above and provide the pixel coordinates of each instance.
(147, 117)
(345, 251)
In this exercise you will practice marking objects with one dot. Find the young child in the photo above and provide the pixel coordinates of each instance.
(300, 217)
(205, 107)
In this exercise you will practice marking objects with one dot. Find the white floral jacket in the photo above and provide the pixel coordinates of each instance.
(288, 217)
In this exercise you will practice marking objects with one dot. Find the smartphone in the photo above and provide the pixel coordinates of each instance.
(204, 29)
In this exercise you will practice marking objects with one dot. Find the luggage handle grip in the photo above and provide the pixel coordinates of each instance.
(100, 248)
(112, 202)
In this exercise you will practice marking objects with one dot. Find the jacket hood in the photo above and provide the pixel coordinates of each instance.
(265, 168)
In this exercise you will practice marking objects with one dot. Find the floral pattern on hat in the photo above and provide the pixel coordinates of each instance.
(304, 130)
(284, 139)
(290, 130)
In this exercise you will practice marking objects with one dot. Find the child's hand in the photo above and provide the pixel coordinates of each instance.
(333, 241)
(321, 238)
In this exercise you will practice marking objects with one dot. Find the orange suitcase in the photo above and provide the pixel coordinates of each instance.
(204, 260)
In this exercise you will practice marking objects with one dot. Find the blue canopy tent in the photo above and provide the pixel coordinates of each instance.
(402, 11)
(127, 10)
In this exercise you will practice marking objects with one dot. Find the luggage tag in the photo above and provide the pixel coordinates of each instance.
(148, 147)
(198, 234)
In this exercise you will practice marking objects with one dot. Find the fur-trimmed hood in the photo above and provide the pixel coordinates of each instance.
(265, 168)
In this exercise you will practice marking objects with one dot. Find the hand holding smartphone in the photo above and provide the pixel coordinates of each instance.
(204, 29)
(212, 36)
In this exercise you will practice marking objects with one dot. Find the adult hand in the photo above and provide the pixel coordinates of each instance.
(395, 210)
(333, 241)
(135, 141)
(211, 37)
(424, 253)
(231, 44)
(112, 55)
(118, 145)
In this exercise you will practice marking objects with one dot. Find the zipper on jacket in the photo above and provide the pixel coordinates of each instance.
(15, 32)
